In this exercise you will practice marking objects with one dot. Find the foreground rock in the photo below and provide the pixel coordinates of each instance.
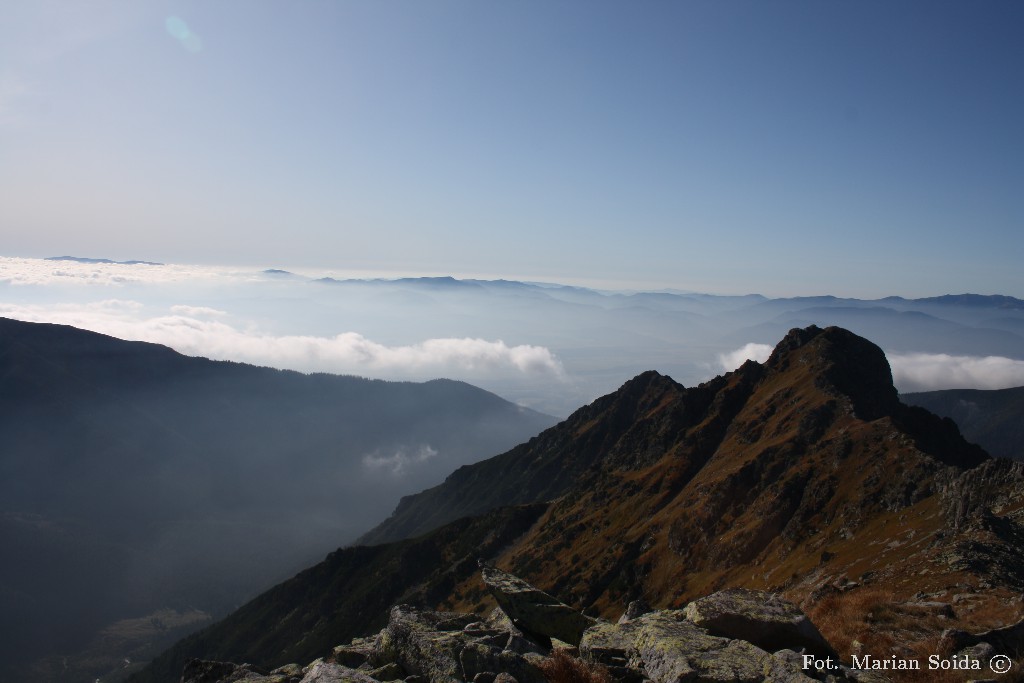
(722, 637)
(533, 610)
(764, 619)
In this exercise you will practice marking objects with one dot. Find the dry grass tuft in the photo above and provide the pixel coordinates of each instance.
(561, 667)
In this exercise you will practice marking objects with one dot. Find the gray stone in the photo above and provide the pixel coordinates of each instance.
(388, 672)
(533, 610)
(201, 671)
(411, 640)
(764, 619)
(291, 670)
(665, 647)
(329, 672)
(634, 609)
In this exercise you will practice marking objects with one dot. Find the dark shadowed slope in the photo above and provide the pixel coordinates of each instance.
(170, 481)
(993, 418)
(348, 594)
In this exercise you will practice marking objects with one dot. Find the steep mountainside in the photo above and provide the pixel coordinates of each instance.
(993, 419)
(547, 465)
(176, 482)
(805, 475)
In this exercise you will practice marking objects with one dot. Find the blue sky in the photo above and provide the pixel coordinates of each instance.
(858, 149)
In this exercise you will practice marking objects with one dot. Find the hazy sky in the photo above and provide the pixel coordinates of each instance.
(856, 148)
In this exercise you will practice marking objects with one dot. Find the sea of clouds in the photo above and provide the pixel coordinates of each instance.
(289, 321)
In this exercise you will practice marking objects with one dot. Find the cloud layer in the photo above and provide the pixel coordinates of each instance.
(733, 359)
(201, 331)
(29, 271)
(933, 371)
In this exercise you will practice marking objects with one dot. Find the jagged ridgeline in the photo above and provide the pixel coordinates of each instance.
(804, 476)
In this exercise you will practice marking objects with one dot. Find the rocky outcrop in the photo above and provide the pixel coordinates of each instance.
(709, 643)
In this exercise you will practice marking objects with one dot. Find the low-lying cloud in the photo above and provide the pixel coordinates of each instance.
(733, 359)
(399, 462)
(206, 333)
(40, 272)
(934, 371)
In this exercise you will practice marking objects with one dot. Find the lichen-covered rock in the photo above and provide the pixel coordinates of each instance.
(201, 671)
(291, 670)
(388, 672)
(443, 647)
(356, 653)
(329, 672)
(634, 609)
(413, 640)
(764, 619)
(533, 610)
(665, 647)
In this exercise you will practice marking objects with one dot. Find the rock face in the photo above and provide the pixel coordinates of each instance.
(665, 646)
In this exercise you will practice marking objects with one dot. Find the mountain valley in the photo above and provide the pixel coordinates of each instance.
(141, 486)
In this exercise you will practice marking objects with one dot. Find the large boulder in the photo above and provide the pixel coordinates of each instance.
(764, 619)
(533, 610)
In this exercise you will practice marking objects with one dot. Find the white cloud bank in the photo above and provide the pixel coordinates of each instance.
(733, 359)
(351, 353)
(934, 371)
(31, 271)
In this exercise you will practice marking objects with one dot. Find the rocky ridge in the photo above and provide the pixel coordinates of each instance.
(734, 635)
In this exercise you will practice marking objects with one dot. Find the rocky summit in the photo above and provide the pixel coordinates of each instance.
(801, 489)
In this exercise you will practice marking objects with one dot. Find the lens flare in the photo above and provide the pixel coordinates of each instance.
(179, 30)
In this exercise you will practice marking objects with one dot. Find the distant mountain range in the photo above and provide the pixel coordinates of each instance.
(135, 480)
(804, 476)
